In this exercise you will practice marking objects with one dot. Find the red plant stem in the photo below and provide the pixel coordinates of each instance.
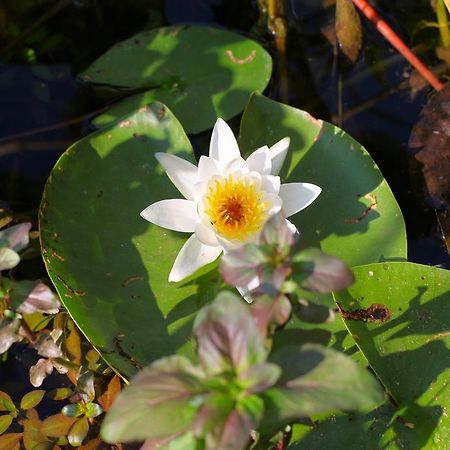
(395, 40)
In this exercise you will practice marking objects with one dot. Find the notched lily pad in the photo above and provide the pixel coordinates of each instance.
(200, 72)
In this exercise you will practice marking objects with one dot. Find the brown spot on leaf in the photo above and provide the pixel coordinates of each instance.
(57, 255)
(374, 313)
(131, 279)
(363, 215)
(126, 124)
(70, 288)
(245, 60)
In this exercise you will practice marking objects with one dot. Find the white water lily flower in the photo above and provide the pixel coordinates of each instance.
(227, 199)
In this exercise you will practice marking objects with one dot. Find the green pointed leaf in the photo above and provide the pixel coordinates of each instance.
(227, 336)
(356, 209)
(110, 266)
(400, 314)
(93, 410)
(78, 432)
(6, 403)
(159, 403)
(316, 380)
(5, 422)
(32, 399)
(200, 72)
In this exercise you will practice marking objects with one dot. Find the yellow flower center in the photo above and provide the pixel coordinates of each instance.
(236, 207)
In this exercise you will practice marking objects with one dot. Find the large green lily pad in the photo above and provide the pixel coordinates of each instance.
(356, 217)
(201, 73)
(110, 266)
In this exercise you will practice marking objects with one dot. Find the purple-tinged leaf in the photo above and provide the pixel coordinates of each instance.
(5, 422)
(267, 311)
(260, 377)
(8, 258)
(319, 272)
(32, 399)
(9, 333)
(313, 313)
(185, 441)
(78, 432)
(46, 347)
(39, 371)
(227, 336)
(33, 296)
(279, 232)
(85, 384)
(315, 380)
(16, 237)
(159, 403)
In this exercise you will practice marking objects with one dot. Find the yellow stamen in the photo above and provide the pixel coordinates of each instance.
(236, 207)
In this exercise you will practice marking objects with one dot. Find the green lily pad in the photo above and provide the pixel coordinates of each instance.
(405, 338)
(356, 217)
(201, 73)
(110, 266)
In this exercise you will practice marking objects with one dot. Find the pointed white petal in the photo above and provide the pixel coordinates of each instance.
(236, 165)
(192, 256)
(206, 234)
(182, 173)
(223, 146)
(260, 161)
(278, 154)
(297, 196)
(271, 184)
(174, 214)
(207, 168)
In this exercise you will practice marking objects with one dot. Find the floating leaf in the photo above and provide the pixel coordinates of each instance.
(61, 393)
(400, 313)
(32, 399)
(113, 389)
(73, 410)
(93, 410)
(348, 29)
(189, 68)
(6, 403)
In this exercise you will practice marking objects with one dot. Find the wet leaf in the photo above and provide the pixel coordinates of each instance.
(32, 399)
(61, 393)
(348, 29)
(78, 432)
(73, 410)
(57, 425)
(159, 403)
(5, 422)
(316, 380)
(10, 441)
(227, 336)
(113, 389)
(189, 68)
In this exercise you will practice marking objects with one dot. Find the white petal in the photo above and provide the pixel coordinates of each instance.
(260, 161)
(223, 145)
(206, 234)
(182, 173)
(174, 214)
(271, 184)
(297, 196)
(192, 256)
(207, 167)
(236, 165)
(278, 154)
